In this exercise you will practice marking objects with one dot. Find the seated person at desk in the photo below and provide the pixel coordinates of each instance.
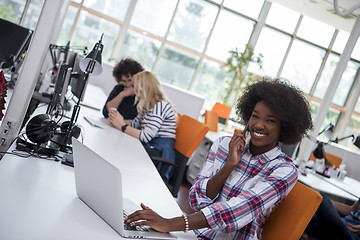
(335, 220)
(122, 96)
(155, 125)
(244, 179)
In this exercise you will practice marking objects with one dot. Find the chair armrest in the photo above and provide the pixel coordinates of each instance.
(163, 160)
(165, 164)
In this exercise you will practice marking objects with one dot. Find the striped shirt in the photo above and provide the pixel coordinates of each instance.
(255, 187)
(160, 121)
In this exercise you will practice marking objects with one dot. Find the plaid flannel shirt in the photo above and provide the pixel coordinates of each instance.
(255, 187)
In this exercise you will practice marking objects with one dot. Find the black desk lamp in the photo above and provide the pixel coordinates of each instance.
(91, 64)
(328, 131)
(357, 141)
(319, 151)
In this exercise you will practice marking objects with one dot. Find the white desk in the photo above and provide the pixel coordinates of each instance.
(212, 136)
(38, 197)
(349, 189)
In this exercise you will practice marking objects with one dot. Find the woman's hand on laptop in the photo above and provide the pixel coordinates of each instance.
(147, 217)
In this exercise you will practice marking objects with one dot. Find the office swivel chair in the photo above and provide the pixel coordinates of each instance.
(290, 218)
(211, 120)
(222, 111)
(189, 133)
(334, 160)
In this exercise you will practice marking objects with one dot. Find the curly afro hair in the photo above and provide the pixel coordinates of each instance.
(288, 101)
(126, 66)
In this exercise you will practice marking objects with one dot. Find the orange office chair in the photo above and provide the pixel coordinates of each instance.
(335, 160)
(290, 218)
(211, 120)
(189, 134)
(222, 110)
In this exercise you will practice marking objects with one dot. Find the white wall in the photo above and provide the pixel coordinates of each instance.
(105, 80)
(184, 101)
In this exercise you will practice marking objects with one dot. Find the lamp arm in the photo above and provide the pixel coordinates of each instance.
(336, 140)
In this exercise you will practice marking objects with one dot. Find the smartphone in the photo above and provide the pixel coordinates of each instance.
(246, 130)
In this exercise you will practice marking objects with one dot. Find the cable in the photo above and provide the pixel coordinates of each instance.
(348, 12)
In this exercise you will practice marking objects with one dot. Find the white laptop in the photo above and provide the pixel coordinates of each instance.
(99, 186)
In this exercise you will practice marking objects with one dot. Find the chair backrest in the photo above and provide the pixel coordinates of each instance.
(290, 218)
(211, 120)
(335, 160)
(189, 134)
(222, 110)
(238, 130)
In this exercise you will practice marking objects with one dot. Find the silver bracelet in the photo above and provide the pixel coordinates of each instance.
(186, 223)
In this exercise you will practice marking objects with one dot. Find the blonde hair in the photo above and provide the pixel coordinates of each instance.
(147, 91)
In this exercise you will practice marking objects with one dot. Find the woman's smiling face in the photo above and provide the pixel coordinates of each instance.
(264, 127)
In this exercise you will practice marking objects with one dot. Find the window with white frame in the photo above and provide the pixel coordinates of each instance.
(186, 42)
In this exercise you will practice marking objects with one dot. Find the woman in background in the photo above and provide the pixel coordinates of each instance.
(155, 124)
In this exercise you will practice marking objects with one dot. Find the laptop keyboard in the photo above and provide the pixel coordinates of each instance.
(128, 226)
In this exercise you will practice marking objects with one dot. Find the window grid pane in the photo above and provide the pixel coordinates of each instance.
(67, 26)
(223, 40)
(176, 67)
(11, 10)
(340, 41)
(356, 51)
(89, 30)
(33, 13)
(326, 76)
(357, 106)
(303, 64)
(193, 17)
(282, 18)
(345, 83)
(315, 31)
(272, 45)
(153, 16)
(212, 82)
(114, 8)
(141, 48)
(252, 10)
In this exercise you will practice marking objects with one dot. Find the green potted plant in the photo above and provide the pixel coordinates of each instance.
(238, 63)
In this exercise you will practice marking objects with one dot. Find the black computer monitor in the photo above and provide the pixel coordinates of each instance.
(290, 150)
(77, 81)
(14, 41)
(71, 58)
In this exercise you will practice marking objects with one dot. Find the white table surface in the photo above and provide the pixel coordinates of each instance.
(349, 189)
(38, 198)
(212, 136)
